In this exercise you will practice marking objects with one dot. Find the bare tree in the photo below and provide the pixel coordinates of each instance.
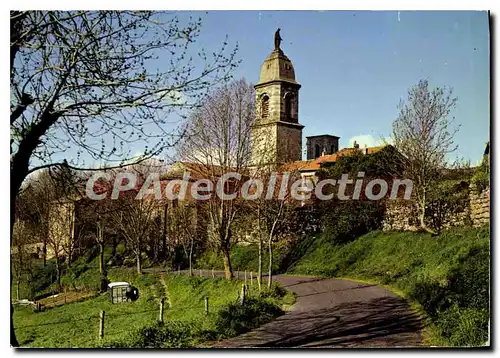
(61, 220)
(272, 214)
(48, 203)
(184, 222)
(217, 143)
(424, 135)
(134, 220)
(91, 81)
(22, 239)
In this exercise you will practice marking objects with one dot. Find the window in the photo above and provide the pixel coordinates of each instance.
(265, 107)
(288, 105)
(332, 149)
(317, 151)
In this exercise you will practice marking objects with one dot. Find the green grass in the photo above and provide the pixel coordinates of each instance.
(242, 258)
(447, 276)
(127, 324)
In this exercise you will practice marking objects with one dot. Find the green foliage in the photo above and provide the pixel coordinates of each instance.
(236, 319)
(242, 258)
(134, 324)
(41, 279)
(385, 162)
(448, 275)
(445, 198)
(464, 327)
(343, 221)
(481, 176)
(174, 335)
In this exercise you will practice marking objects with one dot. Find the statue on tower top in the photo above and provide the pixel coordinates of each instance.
(277, 39)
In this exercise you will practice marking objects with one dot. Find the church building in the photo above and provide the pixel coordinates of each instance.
(277, 131)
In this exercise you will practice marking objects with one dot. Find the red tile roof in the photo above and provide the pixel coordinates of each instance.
(315, 164)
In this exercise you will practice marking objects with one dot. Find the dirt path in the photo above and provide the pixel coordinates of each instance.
(335, 313)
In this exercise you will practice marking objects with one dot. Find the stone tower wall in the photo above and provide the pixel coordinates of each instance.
(325, 142)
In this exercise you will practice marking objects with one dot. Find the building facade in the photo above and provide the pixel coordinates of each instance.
(276, 133)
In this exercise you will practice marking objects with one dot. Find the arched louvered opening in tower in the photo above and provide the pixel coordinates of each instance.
(264, 107)
(317, 151)
(289, 107)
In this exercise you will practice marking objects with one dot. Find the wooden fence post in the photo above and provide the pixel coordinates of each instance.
(243, 294)
(178, 270)
(200, 272)
(101, 325)
(213, 274)
(245, 277)
(162, 306)
(251, 278)
(206, 305)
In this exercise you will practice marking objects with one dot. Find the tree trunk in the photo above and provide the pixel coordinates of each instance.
(19, 167)
(164, 234)
(270, 281)
(421, 216)
(227, 263)
(16, 180)
(44, 252)
(191, 260)
(259, 274)
(113, 247)
(101, 258)
(139, 261)
(17, 288)
(58, 271)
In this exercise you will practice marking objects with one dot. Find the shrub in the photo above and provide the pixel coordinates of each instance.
(344, 221)
(464, 326)
(174, 335)
(481, 176)
(448, 275)
(236, 318)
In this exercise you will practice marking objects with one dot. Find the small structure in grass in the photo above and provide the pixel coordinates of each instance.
(122, 292)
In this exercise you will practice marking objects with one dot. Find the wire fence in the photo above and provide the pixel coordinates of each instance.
(111, 324)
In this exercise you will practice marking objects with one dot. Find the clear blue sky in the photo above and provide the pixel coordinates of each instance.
(354, 67)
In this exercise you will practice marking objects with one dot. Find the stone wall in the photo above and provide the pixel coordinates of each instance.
(402, 215)
(479, 205)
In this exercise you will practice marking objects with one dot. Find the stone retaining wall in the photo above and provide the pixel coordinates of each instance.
(479, 205)
(401, 215)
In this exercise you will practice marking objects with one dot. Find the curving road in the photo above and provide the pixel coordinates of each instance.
(332, 313)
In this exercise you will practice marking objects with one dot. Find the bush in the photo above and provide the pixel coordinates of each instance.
(344, 221)
(237, 319)
(174, 335)
(447, 275)
(481, 176)
(464, 326)
(242, 258)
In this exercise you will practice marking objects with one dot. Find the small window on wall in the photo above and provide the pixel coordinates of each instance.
(265, 107)
(317, 152)
(332, 149)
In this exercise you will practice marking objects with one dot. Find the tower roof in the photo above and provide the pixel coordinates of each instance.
(277, 67)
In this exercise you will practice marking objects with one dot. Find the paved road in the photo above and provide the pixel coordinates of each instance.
(332, 313)
(336, 313)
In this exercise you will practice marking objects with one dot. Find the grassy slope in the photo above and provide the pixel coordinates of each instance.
(446, 275)
(79, 321)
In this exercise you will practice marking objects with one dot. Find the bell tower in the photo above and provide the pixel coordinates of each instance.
(276, 133)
